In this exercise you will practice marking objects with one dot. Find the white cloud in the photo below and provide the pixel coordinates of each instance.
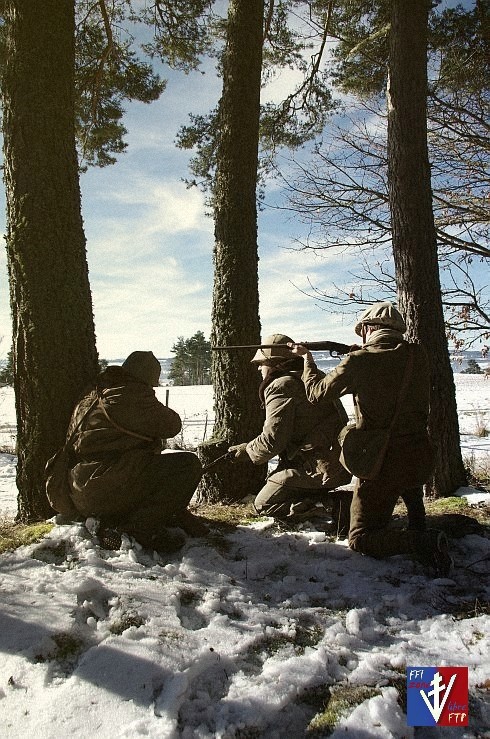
(149, 250)
(148, 308)
(285, 280)
(148, 205)
(150, 281)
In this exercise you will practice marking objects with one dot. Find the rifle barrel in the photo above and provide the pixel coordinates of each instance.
(247, 346)
(313, 346)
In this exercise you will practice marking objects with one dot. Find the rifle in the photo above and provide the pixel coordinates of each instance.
(226, 455)
(335, 348)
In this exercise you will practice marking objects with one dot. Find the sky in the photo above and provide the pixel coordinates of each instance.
(149, 241)
(241, 634)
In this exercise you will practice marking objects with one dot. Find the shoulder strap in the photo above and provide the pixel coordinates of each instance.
(403, 387)
(81, 420)
(121, 428)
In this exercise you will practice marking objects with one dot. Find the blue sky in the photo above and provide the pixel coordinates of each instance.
(149, 242)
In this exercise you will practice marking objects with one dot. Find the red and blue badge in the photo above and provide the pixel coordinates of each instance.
(437, 696)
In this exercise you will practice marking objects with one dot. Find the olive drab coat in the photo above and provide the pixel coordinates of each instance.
(373, 375)
(302, 434)
(106, 479)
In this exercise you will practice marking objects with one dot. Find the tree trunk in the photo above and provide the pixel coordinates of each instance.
(235, 312)
(53, 328)
(414, 235)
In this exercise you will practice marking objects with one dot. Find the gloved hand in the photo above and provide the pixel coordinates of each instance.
(240, 452)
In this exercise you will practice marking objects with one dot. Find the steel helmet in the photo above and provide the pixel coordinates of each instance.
(382, 315)
(274, 355)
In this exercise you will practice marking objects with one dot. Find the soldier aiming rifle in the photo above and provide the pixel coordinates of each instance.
(302, 435)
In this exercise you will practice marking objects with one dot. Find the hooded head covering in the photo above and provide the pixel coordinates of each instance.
(144, 366)
(383, 315)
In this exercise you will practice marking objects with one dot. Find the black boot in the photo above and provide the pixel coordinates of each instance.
(109, 538)
(431, 549)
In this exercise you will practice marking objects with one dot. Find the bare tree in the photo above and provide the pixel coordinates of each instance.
(341, 192)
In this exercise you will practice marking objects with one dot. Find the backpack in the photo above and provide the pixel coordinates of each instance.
(57, 484)
(57, 472)
(59, 466)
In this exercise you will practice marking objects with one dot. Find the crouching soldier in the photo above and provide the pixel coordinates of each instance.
(119, 475)
(390, 381)
(304, 437)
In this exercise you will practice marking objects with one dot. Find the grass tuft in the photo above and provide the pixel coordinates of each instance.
(478, 470)
(452, 504)
(340, 701)
(230, 515)
(126, 621)
(67, 647)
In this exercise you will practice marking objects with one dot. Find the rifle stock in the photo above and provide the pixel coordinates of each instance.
(334, 347)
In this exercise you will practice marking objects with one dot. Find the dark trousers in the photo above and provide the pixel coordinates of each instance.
(170, 479)
(408, 465)
(371, 511)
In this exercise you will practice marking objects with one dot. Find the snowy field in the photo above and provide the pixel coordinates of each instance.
(238, 636)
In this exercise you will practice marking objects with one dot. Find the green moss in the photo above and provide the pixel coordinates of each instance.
(450, 505)
(447, 505)
(304, 636)
(317, 697)
(13, 535)
(227, 516)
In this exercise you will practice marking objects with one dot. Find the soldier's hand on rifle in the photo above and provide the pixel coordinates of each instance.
(240, 451)
(300, 349)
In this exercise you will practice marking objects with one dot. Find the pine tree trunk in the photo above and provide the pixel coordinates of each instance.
(414, 235)
(235, 312)
(53, 328)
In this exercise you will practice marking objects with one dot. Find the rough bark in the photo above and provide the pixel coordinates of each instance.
(235, 311)
(414, 235)
(53, 327)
